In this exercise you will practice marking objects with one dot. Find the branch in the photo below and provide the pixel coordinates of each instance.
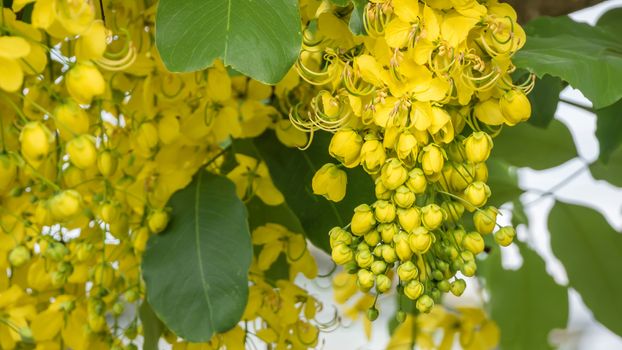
(530, 9)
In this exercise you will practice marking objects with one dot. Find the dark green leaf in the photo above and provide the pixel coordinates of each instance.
(612, 20)
(589, 58)
(292, 170)
(152, 326)
(526, 303)
(544, 99)
(261, 214)
(525, 145)
(259, 38)
(356, 19)
(591, 252)
(612, 171)
(196, 271)
(503, 182)
(609, 129)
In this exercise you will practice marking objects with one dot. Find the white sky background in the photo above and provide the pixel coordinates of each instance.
(583, 331)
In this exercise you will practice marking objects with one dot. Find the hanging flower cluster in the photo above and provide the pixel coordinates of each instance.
(415, 102)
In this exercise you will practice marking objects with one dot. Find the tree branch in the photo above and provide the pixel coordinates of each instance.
(530, 9)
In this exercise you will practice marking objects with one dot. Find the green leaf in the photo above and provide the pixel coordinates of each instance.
(519, 217)
(196, 271)
(525, 145)
(612, 20)
(587, 57)
(261, 214)
(341, 3)
(609, 171)
(609, 129)
(526, 303)
(544, 99)
(503, 182)
(260, 38)
(292, 170)
(356, 18)
(152, 326)
(591, 252)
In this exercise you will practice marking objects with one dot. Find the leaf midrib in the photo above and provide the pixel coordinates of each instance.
(204, 284)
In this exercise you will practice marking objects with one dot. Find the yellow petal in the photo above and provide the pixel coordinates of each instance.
(455, 28)
(406, 10)
(46, 325)
(268, 193)
(398, 33)
(11, 75)
(13, 47)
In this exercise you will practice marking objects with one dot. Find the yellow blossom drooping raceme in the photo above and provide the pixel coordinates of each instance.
(416, 102)
(330, 182)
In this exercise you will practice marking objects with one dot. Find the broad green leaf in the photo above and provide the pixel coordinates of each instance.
(591, 251)
(260, 214)
(587, 57)
(527, 303)
(356, 18)
(609, 129)
(612, 20)
(260, 38)
(544, 100)
(196, 271)
(503, 182)
(525, 145)
(152, 326)
(610, 171)
(519, 217)
(292, 170)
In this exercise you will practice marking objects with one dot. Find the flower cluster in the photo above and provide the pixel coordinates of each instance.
(415, 102)
(95, 136)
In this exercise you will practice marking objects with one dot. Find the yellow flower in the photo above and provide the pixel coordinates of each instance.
(12, 49)
(251, 177)
(330, 181)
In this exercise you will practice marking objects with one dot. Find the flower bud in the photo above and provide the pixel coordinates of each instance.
(330, 182)
(19, 256)
(481, 172)
(381, 191)
(400, 317)
(424, 304)
(82, 151)
(478, 146)
(157, 221)
(403, 197)
(457, 287)
(384, 211)
(477, 193)
(485, 220)
(342, 254)
(407, 148)
(8, 172)
(505, 236)
(455, 151)
(146, 139)
(372, 314)
(515, 107)
(388, 254)
(489, 112)
(409, 219)
(407, 271)
(416, 181)
(345, 146)
(338, 235)
(365, 279)
(109, 212)
(140, 239)
(413, 289)
(432, 161)
(66, 205)
(473, 242)
(84, 81)
(106, 163)
(454, 210)
(393, 174)
(35, 140)
(363, 220)
(55, 251)
(461, 176)
(387, 232)
(364, 259)
(420, 240)
(378, 267)
(390, 137)
(432, 216)
(383, 283)
(444, 286)
(402, 247)
(469, 268)
(372, 238)
(71, 120)
(373, 155)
